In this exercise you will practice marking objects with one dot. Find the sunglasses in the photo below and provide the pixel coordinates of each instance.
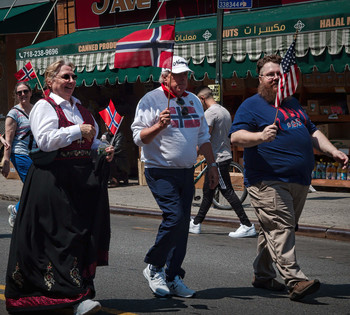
(25, 92)
(181, 102)
(68, 76)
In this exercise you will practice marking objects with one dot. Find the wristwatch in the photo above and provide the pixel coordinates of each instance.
(212, 164)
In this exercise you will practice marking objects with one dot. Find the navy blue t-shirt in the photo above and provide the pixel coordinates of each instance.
(288, 158)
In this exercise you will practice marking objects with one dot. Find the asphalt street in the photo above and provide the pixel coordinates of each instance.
(218, 267)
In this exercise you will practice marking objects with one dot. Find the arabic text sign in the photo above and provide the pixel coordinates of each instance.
(232, 4)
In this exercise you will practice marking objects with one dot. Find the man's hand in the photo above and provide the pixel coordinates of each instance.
(340, 157)
(269, 133)
(213, 176)
(164, 119)
(110, 153)
(87, 131)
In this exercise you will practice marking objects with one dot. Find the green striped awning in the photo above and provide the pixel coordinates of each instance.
(324, 42)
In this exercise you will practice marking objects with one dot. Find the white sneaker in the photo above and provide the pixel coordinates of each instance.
(244, 231)
(87, 307)
(12, 214)
(194, 228)
(178, 288)
(156, 280)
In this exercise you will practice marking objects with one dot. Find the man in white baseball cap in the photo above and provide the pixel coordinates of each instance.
(168, 137)
(179, 65)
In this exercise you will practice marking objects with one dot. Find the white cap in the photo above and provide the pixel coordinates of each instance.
(179, 65)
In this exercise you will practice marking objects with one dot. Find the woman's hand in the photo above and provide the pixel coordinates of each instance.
(110, 153)
(87, 131)
(5, 168)
(5, 143)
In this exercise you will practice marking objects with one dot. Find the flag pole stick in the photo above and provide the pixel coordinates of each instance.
(274, 122)
(171, 70)
(111, 143)
(37, 78)
(116, 131)
(295, 37)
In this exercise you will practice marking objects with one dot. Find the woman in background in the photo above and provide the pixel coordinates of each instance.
(17, 131)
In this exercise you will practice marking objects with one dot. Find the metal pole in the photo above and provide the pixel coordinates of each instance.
(218, 78)
(9, 10)
(155, 14)
(44, 22)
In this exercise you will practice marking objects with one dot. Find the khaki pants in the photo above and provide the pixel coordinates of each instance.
(278, 206)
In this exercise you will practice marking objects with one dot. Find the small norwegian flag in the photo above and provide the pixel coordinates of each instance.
(111, 117)
(150, 47)
(26, 73)
(289, 76)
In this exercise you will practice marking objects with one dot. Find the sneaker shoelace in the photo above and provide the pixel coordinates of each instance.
(178, 282)
(159, 276)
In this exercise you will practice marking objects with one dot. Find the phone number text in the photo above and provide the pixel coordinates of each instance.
(39, 53)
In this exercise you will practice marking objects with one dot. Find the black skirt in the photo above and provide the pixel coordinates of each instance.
(61, 233)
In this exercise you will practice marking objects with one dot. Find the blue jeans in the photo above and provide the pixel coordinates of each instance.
(21, 162)
(173, 190)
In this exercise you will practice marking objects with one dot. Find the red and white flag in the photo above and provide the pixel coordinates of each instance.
(150, 47)
(289, 76)
(26, 73)
(111, 117)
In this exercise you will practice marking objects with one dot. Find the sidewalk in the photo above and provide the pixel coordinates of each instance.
(326, 214)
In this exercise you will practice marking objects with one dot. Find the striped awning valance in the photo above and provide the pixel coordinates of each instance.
(316, 43)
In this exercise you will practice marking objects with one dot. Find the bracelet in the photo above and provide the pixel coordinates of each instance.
(212, 164)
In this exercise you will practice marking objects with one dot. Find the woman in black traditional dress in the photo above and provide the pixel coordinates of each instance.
(62, 230)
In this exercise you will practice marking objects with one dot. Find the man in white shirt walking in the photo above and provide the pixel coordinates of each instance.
(168, 136)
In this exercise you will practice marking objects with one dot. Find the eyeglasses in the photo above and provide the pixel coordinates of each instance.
(25, 92)
(270, 76)
(184, 109)
(68, 76)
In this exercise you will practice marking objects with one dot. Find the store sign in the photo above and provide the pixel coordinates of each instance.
(232, 4)
(91, 14)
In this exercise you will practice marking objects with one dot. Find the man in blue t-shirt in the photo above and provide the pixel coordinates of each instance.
(278, 161)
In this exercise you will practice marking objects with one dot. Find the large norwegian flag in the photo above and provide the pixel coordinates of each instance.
(150, 47)
(111, 117)
(289, 76)
(26, 73)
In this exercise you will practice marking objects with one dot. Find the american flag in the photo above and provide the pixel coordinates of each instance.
(26, 73)
(111, 117)
(289, 76)
(150, 47)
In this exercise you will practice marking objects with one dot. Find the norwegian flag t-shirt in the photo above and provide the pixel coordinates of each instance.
(175, 146)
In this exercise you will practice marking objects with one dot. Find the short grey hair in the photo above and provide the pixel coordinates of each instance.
(163, 75)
